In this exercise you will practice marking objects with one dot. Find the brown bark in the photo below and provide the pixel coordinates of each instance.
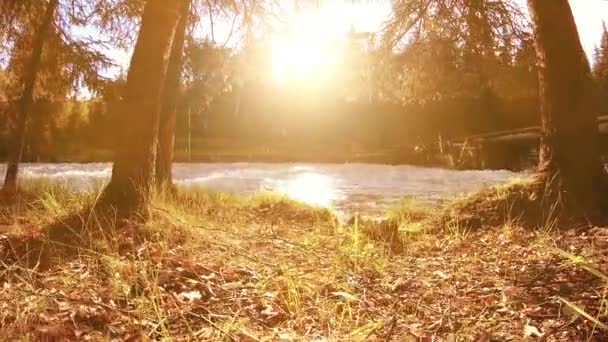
(171, 92)
(130, 187)
(570, 154)
(19, 123)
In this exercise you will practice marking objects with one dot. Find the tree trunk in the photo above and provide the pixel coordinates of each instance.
(570, 154)
(24, 106)
(171, 91)
(130, 187)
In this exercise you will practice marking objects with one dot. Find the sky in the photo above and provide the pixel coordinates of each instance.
(338, 16)
(589, 15)
(369, 15)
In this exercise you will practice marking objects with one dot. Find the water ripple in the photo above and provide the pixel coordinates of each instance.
(344, 187)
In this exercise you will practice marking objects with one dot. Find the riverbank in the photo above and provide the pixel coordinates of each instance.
(214, 266)
(348, 188)
(227, 152)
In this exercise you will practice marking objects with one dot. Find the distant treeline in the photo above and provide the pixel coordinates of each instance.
(398, 108)
(258, 121)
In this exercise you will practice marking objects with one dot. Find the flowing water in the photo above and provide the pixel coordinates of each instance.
(347, 188)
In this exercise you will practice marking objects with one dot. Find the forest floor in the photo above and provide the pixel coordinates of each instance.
(212, 266)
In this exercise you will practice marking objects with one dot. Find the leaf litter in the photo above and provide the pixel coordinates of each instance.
(234, 282)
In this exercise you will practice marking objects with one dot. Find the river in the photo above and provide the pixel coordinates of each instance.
(347, 188)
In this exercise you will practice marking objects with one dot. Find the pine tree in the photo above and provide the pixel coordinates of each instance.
(26, 98)
(570, 167)
(137, 127)
(46, 61)
(600, 70)
(171, 92)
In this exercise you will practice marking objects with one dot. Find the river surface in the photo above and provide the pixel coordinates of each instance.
(347, 188)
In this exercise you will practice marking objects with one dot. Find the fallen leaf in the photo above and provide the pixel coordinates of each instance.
(286, 336)
(138, 336)
(269, 311)
(271, 315)
(232, 286)
(190, 296)
(54, 332)
(345, 295)
(400, 284)
(441, 275)
(531, 331)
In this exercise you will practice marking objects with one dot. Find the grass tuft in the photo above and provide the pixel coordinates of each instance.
(213, 266)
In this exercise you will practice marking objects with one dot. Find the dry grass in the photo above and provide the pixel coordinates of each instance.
(517, 201)
(213, 266)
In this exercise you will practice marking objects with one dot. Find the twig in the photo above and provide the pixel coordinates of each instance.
(77, 301)
(392, 328)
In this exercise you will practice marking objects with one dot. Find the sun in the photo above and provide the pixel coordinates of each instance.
(306, 53)
(294, 59)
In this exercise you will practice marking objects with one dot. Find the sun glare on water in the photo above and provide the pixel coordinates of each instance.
(311, 188)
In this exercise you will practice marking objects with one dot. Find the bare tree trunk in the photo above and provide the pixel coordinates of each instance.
(570, 153)
(24, 106)
(130, 188)
(171, 91)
